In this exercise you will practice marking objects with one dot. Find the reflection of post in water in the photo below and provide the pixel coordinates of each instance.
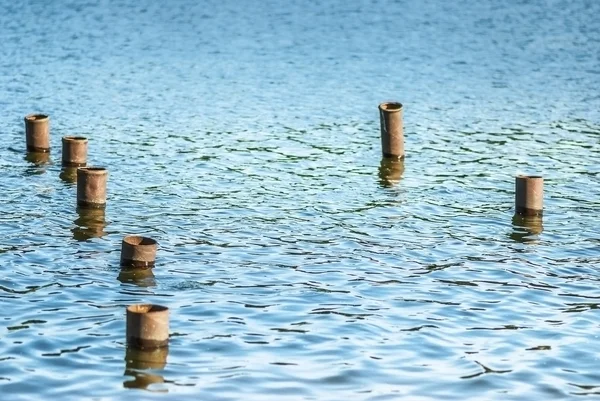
(90, 224)
(68, 174)
(138, 362)
(390, 171)
(137, 276)
(38, 158)
(526, 228)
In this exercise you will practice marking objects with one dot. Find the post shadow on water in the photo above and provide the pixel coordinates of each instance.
(141, 367)
(390, 171)
(90, 223)
(526, 229)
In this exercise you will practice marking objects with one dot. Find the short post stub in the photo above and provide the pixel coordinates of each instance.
(529, 195)
(91, 187)
(392, 130)
(37, 132)
(138, 252)
(147, 326)
(74, 151)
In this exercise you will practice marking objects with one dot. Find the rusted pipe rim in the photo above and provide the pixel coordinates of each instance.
(74, 139)
(92, 170)
(390, 106)
(533, 177)
(139, 240)
(35, 117)
(143, 309)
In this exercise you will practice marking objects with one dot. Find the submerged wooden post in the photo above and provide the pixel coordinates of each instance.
(392, 130)
(147, 326)
(138, 252)
(74, 151)
(529, 195)
(37, 132)
(91, 187)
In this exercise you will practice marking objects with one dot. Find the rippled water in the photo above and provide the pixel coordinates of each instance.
(244, 137)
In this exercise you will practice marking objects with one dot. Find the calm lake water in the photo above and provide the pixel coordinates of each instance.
(244, 137)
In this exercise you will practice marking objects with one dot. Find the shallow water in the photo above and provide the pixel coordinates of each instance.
(297, 263)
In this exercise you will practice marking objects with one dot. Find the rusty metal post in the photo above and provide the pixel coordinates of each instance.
(138, 252)
(529, 195)
(147, 326)
(91, 187)
(37, 132)
(74, 151)
(392, 130)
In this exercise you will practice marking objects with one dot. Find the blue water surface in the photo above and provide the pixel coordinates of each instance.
(296, 263)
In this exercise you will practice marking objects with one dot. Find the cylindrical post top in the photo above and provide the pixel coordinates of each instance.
(138, 251)
(529, 195)
(147, 326)
(390, 107)
(146, 308)
(93, 170)
(80, 139)
(36, 118)
(139, 240)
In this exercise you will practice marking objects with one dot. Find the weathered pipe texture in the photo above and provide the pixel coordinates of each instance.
(147, 326)
(137, 251)
(74, 151)
(392, 130)
(37, 132)
(529, 195)
(91, 187)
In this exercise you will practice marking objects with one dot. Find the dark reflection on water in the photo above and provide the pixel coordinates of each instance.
(526, 229)
(90, 224)
(68, 174)
(38, 158)
(40, 161)
(139, 277)
(144, 367)
(390, 171)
